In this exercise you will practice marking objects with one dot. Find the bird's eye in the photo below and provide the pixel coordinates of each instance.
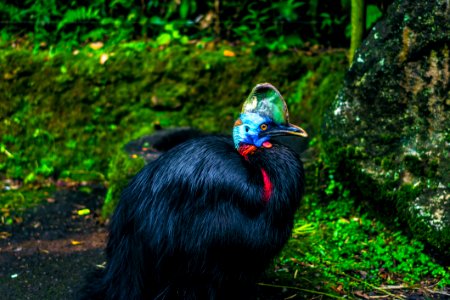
(263, 126)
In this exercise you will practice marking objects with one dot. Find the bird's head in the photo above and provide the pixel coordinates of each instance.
(264, 115)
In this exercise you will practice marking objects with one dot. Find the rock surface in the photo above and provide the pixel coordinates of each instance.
(389, 127)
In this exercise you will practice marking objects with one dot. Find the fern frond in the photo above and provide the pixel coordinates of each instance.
(79, 15)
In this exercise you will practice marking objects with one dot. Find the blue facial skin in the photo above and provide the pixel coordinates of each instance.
(248, 132)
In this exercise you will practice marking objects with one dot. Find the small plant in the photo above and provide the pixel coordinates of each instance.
(171, 35)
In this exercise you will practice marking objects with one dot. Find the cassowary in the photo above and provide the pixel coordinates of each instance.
(205, 219)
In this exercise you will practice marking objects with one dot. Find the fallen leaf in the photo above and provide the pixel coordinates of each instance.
(44, 251)
(84, 211)
(8, 76)
(96, 45)
(343, 220)
(338, 289)
(36, 224)
(75, 243)
(229, 53)
(361, 294)
(4, 235)
(102, 265)
(103, 58)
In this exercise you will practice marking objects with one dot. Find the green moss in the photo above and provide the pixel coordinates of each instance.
(121, 169)
(350, 248)
(67, 114)
(393, 195)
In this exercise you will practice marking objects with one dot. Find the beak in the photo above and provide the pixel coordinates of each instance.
(289, 129)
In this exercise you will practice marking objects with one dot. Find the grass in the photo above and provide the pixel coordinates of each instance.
(341, 249)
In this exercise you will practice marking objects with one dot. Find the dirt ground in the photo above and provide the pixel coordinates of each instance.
(47, 255)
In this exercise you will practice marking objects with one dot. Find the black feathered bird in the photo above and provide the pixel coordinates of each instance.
(205, 219)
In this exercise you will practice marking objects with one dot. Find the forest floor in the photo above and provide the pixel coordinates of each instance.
(49, 253)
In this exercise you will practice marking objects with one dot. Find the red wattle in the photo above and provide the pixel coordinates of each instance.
(246, 149)
(267, 191)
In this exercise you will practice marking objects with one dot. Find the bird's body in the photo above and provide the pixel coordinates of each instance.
(202, 221)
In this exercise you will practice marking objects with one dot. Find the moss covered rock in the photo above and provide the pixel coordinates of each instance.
(389, 127)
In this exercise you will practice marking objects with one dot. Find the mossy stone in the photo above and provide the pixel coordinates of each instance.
(397, 113)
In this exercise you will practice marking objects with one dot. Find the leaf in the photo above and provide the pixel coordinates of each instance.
(71, 144)
(163, 39)
(372, 15)
(184, 40)
(96, 45)
(229, 53)
(169, 27)
(75, 242)
(84, 211)
(155, 20)
(184, 9)
(103, 58)
(79, 15)
(361, 294)
(4, 235)
(31, 177)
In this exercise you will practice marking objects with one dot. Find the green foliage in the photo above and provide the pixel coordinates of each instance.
(171, 35)
(79, 15)
(373, 13)
(351, 250)
(263, 24)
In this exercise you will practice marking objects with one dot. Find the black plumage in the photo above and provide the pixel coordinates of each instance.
(192, 225)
